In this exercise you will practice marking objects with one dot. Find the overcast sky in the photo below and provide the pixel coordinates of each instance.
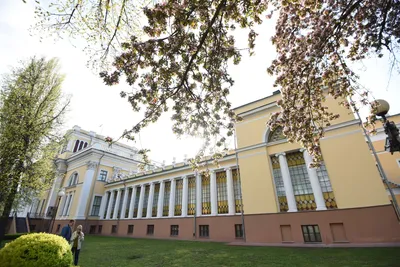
(97, 107)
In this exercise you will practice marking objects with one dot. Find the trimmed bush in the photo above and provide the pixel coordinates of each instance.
(37, 250)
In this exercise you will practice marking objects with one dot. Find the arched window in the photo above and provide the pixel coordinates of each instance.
(276, 135)
(73, 179)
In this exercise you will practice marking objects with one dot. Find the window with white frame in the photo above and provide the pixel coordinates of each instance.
(103, 175)
(96, 206)
(73, 179)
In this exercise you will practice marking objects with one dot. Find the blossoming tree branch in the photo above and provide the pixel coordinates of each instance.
(180, 60)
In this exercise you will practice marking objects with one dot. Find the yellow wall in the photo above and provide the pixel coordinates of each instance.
(258, 188)
(252, 129)
(354, 177)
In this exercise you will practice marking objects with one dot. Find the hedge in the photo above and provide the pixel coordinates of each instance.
(36, 250)
(13, 236)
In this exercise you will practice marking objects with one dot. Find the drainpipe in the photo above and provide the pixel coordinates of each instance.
(92, 190)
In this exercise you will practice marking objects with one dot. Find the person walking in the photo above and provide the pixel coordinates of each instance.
(66, 231)
(76, 243)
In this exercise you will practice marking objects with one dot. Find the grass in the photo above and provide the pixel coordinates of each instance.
(100, 251)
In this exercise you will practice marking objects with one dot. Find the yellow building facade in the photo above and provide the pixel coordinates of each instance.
(263, 192)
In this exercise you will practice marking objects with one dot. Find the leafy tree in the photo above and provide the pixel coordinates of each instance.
(183, 61)
(31, 112)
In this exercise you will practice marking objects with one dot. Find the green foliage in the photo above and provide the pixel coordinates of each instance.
(31, 113)
(37, 250)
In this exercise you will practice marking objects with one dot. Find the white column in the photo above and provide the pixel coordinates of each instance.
(185, 196)
(171, 212)
(199, 204)
(87, 184)
(160, 204)
(314, 181)
(54, 193)
(117, 201)
(141, 200)
(103, 205)
(150, 201)
(132, 205)
(213, 192)
(110, 203)
(230, 192)
(64, 210)
(287, 182)
(124, 202)
(70, 202)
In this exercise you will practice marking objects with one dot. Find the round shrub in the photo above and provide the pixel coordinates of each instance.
(37, 250)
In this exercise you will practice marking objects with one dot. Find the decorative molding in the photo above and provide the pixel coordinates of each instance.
(258, 109)
(280, 154)
(91, 165)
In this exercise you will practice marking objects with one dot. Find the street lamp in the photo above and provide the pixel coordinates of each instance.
(381, 110)
(392, 143)
(60, 194)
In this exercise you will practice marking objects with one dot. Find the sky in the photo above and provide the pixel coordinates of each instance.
(97, 107)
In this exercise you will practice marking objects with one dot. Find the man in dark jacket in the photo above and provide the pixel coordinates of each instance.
(66, 232)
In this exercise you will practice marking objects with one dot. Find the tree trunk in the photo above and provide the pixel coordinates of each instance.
(7, 210)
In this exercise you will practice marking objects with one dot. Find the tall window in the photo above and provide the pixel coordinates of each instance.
(167, 192)
(113, 205)
(205, 194)
(128, 202)
(276, 135)
(76, 146)
(136, 207)
(191, 196)
(121, 199)
(236, 190)
(96, 206)
(146, 200)
(222, 194)
(178, 197)
(279, 186)
(301, 182)
(155, 200)
(69, 204)
(103, 175)
(326, 187)
(73, 179)
(107, 202)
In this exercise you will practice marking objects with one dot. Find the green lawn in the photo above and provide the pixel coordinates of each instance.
(100, 251)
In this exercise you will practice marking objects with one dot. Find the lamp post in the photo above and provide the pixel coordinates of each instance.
(382, 110)
(60, 194)
(392, 143)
